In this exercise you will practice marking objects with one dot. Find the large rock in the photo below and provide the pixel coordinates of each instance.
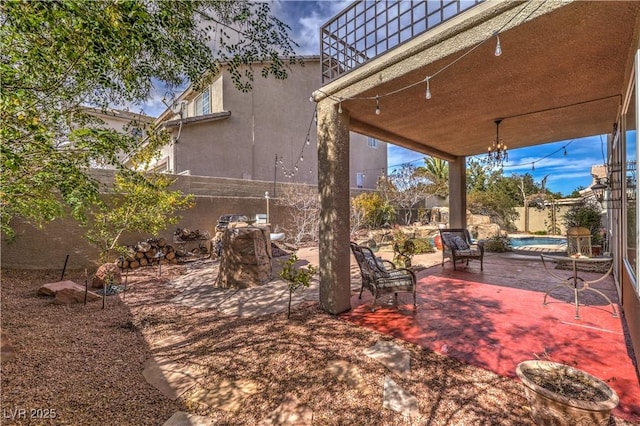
(477, 219)
(67, 292)
(103, 272)
(246, 258)
(51, 289)
(485, 231)
(68, 296)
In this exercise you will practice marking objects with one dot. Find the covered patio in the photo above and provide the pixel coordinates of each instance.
(495, 319)
(565, 70)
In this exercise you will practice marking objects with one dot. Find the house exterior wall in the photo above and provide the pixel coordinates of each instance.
(273, 119)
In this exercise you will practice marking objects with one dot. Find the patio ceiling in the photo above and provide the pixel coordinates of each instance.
(561, 76)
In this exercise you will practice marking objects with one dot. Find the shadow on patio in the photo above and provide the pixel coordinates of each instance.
(495, 319)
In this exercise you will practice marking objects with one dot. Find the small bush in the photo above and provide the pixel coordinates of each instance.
(540, 233)
(498, 244)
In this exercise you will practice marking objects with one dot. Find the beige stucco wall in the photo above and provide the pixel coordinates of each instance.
(540, 220)
(47, 248)
(274, 118)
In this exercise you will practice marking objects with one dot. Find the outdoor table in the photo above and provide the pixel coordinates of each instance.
(572, 281)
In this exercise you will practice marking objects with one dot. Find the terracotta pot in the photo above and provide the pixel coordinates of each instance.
(551, 408)
(438, 242)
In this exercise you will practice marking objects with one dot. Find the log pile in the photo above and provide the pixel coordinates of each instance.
(186, 234)
(154, 251)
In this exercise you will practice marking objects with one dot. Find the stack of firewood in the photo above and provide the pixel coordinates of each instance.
(154, 251)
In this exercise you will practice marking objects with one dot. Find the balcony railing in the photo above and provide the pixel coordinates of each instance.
(369, 28)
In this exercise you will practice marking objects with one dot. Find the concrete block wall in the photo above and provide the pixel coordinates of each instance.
(47, 248)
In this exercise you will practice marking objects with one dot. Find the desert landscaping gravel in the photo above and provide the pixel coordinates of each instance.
(84, 364)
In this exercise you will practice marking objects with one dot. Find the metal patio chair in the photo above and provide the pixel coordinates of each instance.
(381, 276)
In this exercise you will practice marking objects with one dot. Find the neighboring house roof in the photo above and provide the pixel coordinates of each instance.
(198, 119)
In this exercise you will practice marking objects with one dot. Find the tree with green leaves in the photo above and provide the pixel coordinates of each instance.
(59, 57)
(436, 172)
(375, 209)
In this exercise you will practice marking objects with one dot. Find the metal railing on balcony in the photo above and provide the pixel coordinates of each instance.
(369, 28)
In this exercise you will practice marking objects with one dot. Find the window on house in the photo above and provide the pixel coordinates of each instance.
(360, 180)
(372, 142)
(203, 103)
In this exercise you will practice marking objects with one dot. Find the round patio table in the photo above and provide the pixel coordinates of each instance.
(571, 282)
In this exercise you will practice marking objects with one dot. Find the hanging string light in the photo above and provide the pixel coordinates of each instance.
(340, 106)
(498, 50)
(427, 94)
(498, 151)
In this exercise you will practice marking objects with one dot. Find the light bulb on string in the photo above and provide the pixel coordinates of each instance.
(565, 150)
(377, 105)
(340, 106)
(308, 141)
(302, 158)
(498, 51)
(533, 165)
(428, 92)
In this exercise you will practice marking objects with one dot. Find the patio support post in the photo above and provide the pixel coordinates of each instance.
(458, 193)
(333, 185)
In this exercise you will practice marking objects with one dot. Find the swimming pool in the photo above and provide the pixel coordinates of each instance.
(526, 241)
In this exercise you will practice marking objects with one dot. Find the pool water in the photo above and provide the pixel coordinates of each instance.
(537, 241)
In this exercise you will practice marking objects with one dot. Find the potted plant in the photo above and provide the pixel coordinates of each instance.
(562, 395)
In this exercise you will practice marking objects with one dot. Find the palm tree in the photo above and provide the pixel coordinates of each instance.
(436, 171)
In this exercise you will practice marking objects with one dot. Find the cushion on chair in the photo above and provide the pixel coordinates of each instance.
(377, 268)
(459, 243)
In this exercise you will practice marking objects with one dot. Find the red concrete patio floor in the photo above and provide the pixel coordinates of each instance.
(495, 319)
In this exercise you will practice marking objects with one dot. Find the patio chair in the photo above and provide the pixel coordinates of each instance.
(381, 276)
(457, 245)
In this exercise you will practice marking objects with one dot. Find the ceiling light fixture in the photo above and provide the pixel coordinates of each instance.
(498, 151)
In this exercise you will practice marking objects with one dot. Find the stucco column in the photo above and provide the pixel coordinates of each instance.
(333, 185)
(458, 193)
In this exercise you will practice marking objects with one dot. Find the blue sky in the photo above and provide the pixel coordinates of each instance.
(566, 173)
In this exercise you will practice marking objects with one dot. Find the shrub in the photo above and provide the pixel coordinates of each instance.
(498, 244)
(586, 215)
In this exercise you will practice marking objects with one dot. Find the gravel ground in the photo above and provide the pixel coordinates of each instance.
(86, 363)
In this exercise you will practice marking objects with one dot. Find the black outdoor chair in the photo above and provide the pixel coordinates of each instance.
(381, 276)
(457, 245)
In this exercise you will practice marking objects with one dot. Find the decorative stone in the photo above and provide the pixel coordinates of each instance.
(68, 296)
(51, 289)
(290, 412)
(225, 395)
(394, 357)
(397, 399)
(170, 378)
(484, 231)
(103, 272)
(349, 373)
(246, 258)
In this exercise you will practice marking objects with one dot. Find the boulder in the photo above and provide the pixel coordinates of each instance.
(51, 289)
(246, 258)
(476, 219)
(70, 295)
(104, 271)
(485, 231)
